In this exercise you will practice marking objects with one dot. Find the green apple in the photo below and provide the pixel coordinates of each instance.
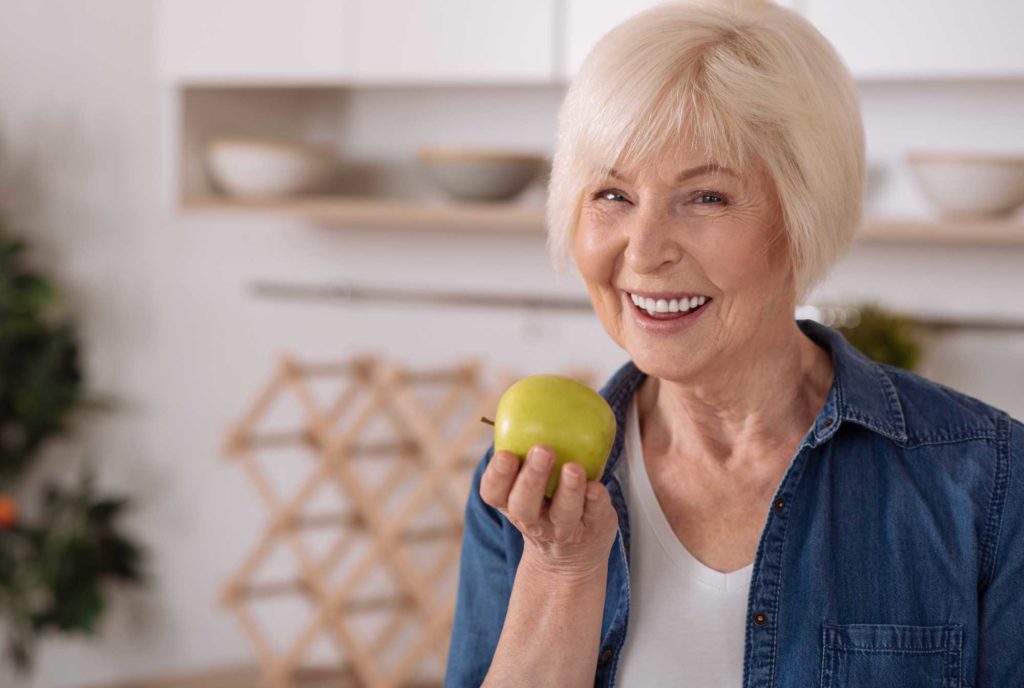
(561, 413)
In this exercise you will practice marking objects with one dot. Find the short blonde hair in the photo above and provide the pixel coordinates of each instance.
(745, 78)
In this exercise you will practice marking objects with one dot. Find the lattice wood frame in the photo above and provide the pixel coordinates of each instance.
(442, 464)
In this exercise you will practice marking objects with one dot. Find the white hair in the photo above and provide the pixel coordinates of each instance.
(748, 80)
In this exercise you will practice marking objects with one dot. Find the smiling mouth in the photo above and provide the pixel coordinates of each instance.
(668, 309)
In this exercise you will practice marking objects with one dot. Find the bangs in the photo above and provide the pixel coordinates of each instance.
(648, 120)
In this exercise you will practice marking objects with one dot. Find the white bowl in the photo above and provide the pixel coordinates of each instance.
(478, 174)
(970, 185)
(261, 169)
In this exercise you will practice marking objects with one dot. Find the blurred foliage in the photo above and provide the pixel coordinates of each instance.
(40, 381)
(885, 337)
(51, 570)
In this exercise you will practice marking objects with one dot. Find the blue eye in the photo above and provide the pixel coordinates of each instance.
(604, 195)
(703, 198)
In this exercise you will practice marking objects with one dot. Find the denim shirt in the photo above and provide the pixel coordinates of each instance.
(892, 553)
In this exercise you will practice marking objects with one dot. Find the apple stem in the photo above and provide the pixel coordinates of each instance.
(484, 419)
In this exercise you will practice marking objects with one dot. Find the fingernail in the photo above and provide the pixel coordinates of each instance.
(504, 464)
(541, 459)
(571, 477)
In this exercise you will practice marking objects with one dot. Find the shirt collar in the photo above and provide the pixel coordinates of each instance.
(861, 393)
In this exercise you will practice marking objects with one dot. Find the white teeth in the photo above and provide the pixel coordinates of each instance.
(668, 305)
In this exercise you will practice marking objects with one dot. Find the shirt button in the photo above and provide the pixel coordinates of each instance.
(760, 619)
(605, 657)
(827, 424)
(779, 504)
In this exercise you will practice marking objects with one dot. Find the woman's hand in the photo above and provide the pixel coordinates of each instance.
(570, 535)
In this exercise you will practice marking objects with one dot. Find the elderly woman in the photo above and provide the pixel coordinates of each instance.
(777, 509)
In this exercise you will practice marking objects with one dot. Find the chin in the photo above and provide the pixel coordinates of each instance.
(666, 365)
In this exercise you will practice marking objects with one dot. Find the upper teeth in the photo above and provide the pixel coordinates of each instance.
(670, 306)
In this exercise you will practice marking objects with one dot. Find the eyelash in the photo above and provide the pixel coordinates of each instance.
(721, 199)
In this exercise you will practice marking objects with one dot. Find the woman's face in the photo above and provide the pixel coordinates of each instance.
(685, 229)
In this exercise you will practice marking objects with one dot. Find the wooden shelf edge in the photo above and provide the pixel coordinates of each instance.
(966, 231)
(513, 217)
(385, 212)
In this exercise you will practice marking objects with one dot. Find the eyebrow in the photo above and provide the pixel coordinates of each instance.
(685, 174)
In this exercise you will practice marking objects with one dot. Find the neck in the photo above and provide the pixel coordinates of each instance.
(760, 401)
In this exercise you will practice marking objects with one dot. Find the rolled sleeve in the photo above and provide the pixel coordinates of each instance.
(1001, 635)
(483, 590)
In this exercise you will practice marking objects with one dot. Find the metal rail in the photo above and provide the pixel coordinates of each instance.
(348, 292)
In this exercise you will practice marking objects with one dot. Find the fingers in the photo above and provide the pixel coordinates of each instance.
(526, 501)
(567, 504)
(597, 504)
(498, 477)
(516, 488)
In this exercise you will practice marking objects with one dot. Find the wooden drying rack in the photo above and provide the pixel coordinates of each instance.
(348, 292)
(420, 449)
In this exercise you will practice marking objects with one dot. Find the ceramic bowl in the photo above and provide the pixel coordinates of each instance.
(262, 169)
(970, 185)
(480, 175)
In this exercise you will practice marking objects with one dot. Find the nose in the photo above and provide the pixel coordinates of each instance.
(652, 242)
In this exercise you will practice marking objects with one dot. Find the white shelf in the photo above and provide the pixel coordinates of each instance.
(366, 212)
(971, 231)
(511, 217)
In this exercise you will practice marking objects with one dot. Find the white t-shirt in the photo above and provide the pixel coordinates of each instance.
(686, 620)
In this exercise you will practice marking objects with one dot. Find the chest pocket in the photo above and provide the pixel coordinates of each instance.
(884, 655)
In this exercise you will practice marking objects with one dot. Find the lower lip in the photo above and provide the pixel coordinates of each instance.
(655, 326)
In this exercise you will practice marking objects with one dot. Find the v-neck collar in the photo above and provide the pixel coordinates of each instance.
(655, 515)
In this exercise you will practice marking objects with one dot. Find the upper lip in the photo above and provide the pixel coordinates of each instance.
(668, 296)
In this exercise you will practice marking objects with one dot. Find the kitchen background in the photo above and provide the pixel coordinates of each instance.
(105, 106)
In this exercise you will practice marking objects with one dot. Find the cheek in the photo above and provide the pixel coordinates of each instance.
(595, 253)
(596, 256)
(741, 258)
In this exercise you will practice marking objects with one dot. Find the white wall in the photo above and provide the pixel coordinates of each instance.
(168, 329)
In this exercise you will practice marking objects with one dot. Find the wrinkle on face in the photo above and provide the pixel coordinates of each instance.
(742, 374)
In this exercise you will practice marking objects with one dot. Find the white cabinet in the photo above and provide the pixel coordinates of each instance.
(255, 40)
(886, 39)
(541, 41)
(477, 41)
(587, 20)
(878, 39)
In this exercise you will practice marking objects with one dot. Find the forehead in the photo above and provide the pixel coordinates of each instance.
(675, 174)
(678, 161)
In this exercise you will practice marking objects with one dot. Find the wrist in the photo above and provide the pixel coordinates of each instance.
(567, 574)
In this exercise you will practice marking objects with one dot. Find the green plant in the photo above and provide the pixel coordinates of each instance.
(40, 381)
(52, 569)
(885, 337)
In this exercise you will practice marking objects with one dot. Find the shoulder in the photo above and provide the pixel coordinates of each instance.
(935, 413)
(619, 387)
